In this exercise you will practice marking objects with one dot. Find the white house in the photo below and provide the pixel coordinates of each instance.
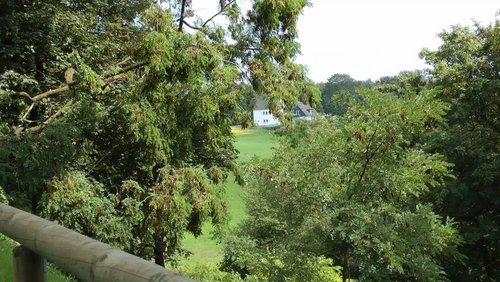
(262, 116)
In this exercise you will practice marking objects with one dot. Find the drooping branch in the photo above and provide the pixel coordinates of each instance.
(107, 78)
(112, 77)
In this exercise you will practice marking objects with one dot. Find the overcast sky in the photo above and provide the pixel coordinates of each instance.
(368, 39)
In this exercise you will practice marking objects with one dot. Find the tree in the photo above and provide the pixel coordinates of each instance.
(466, 74)
(38, 40)
(406, 82)
(133, 101)
(351, 190)
(337, 91)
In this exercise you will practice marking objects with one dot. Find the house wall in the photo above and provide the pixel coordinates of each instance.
(309, 118)
(264, 118)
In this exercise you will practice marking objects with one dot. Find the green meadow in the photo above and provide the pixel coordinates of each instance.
(204, 249)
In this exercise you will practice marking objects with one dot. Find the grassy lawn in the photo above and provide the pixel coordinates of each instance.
(250, 143)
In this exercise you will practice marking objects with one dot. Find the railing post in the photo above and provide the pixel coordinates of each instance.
(28, 266)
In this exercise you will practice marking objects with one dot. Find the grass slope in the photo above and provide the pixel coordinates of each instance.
(250, 143)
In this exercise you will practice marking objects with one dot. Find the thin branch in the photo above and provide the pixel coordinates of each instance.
(128, 58)
(131, 67)
(238, 66)
(58, 113)
(25, 116)
(182, 21)
(191, 26)
(118, 75)
(24, 94)
(108, 81)
(222, 9)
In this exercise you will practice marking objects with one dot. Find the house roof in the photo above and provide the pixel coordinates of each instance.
(260, 104)
(306, 110)
(303, 110)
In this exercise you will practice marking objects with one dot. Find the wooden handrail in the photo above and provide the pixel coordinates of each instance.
(79, 255)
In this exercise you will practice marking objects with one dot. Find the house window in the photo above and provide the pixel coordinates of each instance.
(265, 121)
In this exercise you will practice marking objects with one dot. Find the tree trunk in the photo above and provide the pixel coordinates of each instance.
(183, 8)
(39, 69)
(345, 265)
(159, 250)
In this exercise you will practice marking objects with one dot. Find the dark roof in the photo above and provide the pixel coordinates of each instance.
(304, 110)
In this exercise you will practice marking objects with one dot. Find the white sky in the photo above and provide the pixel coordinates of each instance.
(368, 39)
(374, 38)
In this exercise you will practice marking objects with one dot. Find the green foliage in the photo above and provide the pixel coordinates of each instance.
(352, 188)
(407, 82)
(265, 43)
(3, 197)
(114, 100)
(243, 255)
(247, 104)
(338, 91)
(208, 273)
(465, 74)
(82, 204)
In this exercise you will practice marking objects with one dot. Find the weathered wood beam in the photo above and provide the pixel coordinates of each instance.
(28, 266)
(83, 257)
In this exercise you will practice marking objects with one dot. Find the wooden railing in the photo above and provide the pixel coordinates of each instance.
(79, 255)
